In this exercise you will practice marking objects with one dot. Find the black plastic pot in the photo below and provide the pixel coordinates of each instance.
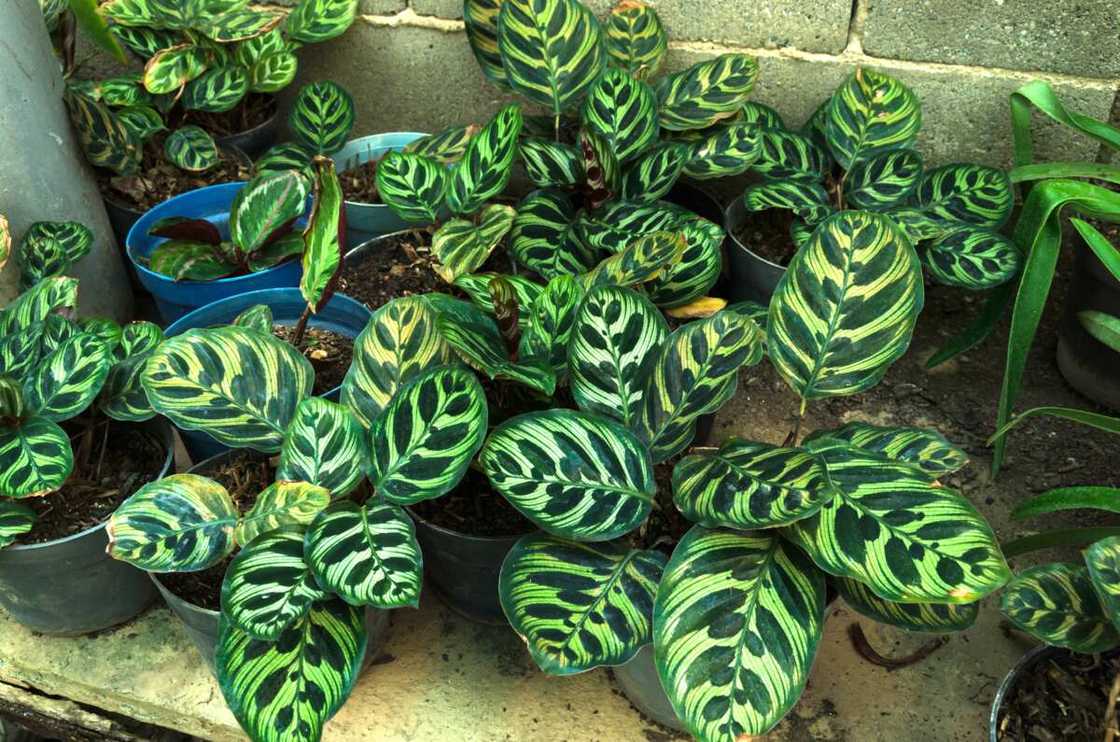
(255, 141)
(750, 276)
(696, 199)
(1022, 667)
(1090, 366)
(72, 586)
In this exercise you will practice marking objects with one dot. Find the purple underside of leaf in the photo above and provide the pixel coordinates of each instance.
(185, 228)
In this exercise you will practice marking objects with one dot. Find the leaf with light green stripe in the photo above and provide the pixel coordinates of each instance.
(170, 69)
(325, 446)
(748, 485)
(273, 72)
(882, 180)
(285, 156)
(846, 308)
(400, 342)
(541, 238)
(692, 374)
(893, 528)
(122, 396)
(549, 163)
(265, 205)
(485, 168)
(286, 690)
(934, 618)
(49, 296)
(654, 173)
(1103, 562)
(241, 25)
(367, 555)
(736, 625)
(698, 269)
(761, 115)
(644, 259)
(35, 458)
(217, 90)
(787, 154)
(477, 287)
(575, 475)
(198, 381)
(322, 116)
(707, 92)
(619, 223)
(729, 151)
(552, 50)
(481, 19)
(869, 114)
(68, 379)
(141, 121)
(551, 324)
(71, 241)
(191, 148)
(579, 606)
(104, 138)
(313, 21)
(623, 112)
(181, 523)
(973, 194)
(616, 331)
(1056, 603)
(806, 198)
(257, 317)
(446, 146)
(281, 504)
(972, 258)
(413, 186)
(461, 246)
(924, 448)
(324, 239)
(423, 442)
(15, 520)
(268, 586)
(636, 41)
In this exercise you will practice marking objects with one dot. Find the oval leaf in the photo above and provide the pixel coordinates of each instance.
(869, 114)
(972, 258)
(69, 378)
(281, 504)
(1056, 603)
(322, 116)
(35, 458)
(265, 205)
(325, 446)
(707, 92)
(933, 618)
(927, 449)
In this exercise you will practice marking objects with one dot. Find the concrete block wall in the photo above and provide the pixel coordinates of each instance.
(409, 67)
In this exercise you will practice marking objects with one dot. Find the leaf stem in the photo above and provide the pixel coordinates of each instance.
(301, 328)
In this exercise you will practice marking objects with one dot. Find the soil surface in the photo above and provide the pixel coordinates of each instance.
(401, 266)
(475, 509)
(329, 352)
(158, 179)
(359, 183)
(119, 460)
(244, 476)
(253, 110)
(766, 234)
(1065, 698)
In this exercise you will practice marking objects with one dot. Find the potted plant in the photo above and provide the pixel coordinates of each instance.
(857, 153)
(737, 600)
(74, 442)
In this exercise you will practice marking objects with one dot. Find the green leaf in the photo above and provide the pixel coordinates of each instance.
(313, 21)
(972, 258)
(277, 251)
(1069, 498)
(786, 154)
(11, 398)
(400, 342)
(846, 308)
(541, 238)
(551, 324)
(273, 72)
(191, 148)
(182, 260)
(241, 25)
(257, 317)
(141, 121)
(325, 446)
(217, 90)
(35, 458)
(552, 50)
(869, 114)
(287, 689)
(882, 180)
(707, 92)
(692, 374)
(74, 240)
(616, 331)
(761, 115)
(729, 151)
(122, 396)
(575, 475)
(424, 440)
(579, 606)
(654, 173)
(904, 536)
(462, 246)
(413, 186)
(269, 586)
(1104, 327)
(926, 449)
(549, 163)
(481, 19)
(15, 520)
(636, 41)
(1093, 419)
(265, 205)
(698, 269)
(181, 523)
(748, 485)
(324, 240)
(281, 504)
(367, 555)
(804, 197)
(93, 25)
(477, 287)
(285, 156)
(1056, 603)
(485, 168)
(144, 42)
(322, 117)
(1103, 562)
(935, 618)
(68, 379)
(644, 259)
(973, 194)
(623, 112)
(601, 167)
(103, 136)
(446, 146)
(239, 386)
(736, 625)
(170, 69)
(47, 297)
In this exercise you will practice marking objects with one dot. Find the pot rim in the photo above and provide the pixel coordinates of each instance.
(466, 536)
(164, 437)
(232, 149)
(1027, 661)
(735, 215)
(189, 322)
(374, 137)
(155, 577)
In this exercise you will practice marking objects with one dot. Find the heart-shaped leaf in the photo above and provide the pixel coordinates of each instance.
(653, 174)
(623, 112)
(189, 261)
(170, 69)
(218, 89)
(786, 154)
(882, 180)
(926, 449)
(541, 238)
(273, 72)
(972, 258)
(462, 246)
(549, 163)
(552, 320)
(973, 194)
(729, 151)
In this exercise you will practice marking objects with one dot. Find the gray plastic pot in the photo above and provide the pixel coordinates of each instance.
(1090, 366)
(71, 586)
(752, 277)
(638, 679)
(366, 221)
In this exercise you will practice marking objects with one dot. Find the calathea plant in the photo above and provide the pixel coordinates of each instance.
(735, 613)
(321, 119)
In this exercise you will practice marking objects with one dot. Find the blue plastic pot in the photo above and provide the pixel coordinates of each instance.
(177, 298)
(342, 315)
(366, 221)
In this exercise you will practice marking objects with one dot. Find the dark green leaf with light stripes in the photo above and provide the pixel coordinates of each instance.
(105, 139)
(786, 154)
(34, 305)
(1103, 562)
(760, 114)
(477, 287)
(241, 25)
(285, 156)
(68, 379)
(542, 240)
(972, 194)
(736, 625)
(551, 324)
(805, 197)
(324, 445)
(447, 146)
(367, 555)
(461, 246)
(170, 69)
(423, 442)
(846, 308)
(1056, 603)
(623, 111)
(257, 317)
(481, 18)
(122, 396)
(575, 475)
(322, 116)
(35, 458)
(266, 204)
(181, 523)
(932, 618)
(869, 114)
(579, 606)
(286, 690)
(551, 163)
(413, 186)
(636, 40)
(707, 92)
(882, 180)
(616, 225)
(698, 268)
(654, 173)
(74, 241)
(644, 259)
(485, 168)
(273, 72)
(917, 224)
(15, 520)
(312, 21)
(926, 449)
(728, 151)
(748, 485)
(217, 90)
(279, 505)
(972, 258)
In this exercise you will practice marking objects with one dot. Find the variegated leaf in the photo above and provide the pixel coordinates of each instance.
(654, 173)
(313, 21)
(636, 41)
(485, 168)
(542, 239)
(325, 446)
(1057, 604)
(728, 151)
(972, 258)
(549, 163)
(973, 194)
(322, 116)
(217, 90)
(191, 148)
(1103, 561)
(934, 618)
(462, 246)
(880, 181)
(266, 204)
(481, 19)
(926, 449)
(35, 458)
(69, 378)
(869, 114)
(168, 70)
(413, 186)
(281, 504)
(623, 112)
(707, 92)
(15, 520)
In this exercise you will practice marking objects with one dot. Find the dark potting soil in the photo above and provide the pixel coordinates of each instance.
(402, 266)
(158, 180)
(244, 476)
(113, 462)
(475, 509)
(1065, 698)
(329, 352)
(766, 234)
(359, 183)
(253, 110)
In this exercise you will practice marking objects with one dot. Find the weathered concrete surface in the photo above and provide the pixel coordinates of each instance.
(1077, 38)
(43, 175)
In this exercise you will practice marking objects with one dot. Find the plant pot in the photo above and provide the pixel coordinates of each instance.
(366, 221)
(1090, 366)
(255, 141)
(202, 623)
(177, 298)
(696, 199)
(639, 681)
(341, 314)
(1022, 667)
(71, 586)
(463, 570)
(751, 277)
